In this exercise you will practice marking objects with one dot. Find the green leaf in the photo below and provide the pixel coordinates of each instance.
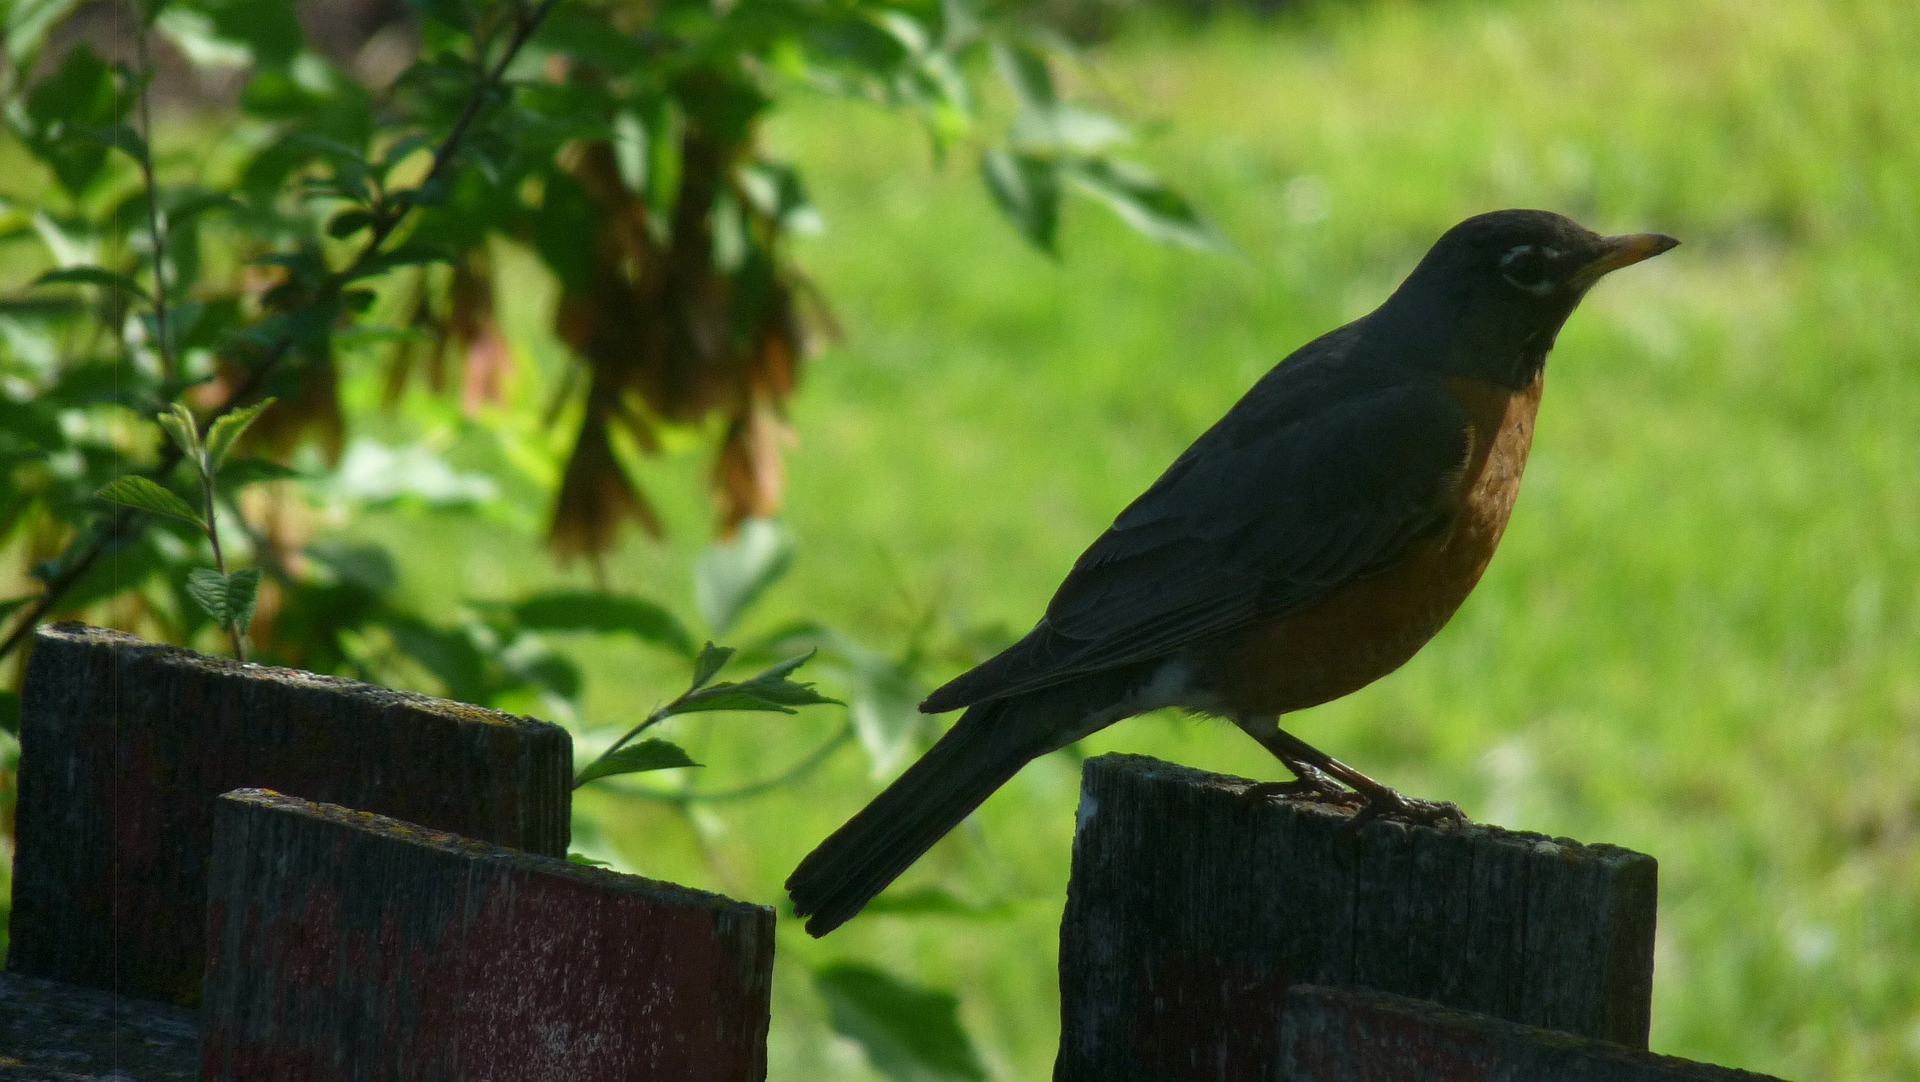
(638, 758)
(729, 577)
(241, 472)
(1068, 130)
(1146, 204)
(884, 706)
(229, 599)
(587, 610)
(909, 1033)
(79, 96)
(9, 712)
(349, 221)
(711, 660)
(228, 428)
(406, 255)
(184, 431)
(93, 276)
(1027, 190)
(122, 138)
(402, 149)
(448, 653)
(769, 692)
(143, 495)
(1025, 70)
(26, 25)
(935, 902)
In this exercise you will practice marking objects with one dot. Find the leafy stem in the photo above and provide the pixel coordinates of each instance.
(767, 692)
(81, 554)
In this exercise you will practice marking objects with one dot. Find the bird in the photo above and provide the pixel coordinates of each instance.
(1309, 543)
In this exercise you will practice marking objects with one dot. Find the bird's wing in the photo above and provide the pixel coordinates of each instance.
(1253, 522)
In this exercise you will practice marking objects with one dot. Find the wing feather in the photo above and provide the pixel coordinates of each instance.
(1252, 523)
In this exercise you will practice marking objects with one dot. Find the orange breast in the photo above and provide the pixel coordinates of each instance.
(1370, 628)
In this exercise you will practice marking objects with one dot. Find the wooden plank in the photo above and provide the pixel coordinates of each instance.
(345, 946)
(124, 746)
(1358, 1035)
(54, 1032)
(1192, 907)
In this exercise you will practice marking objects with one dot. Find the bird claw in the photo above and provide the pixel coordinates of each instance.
(1393, 807)
(1310, 785)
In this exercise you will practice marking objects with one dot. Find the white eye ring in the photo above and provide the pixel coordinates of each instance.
(1538, 288)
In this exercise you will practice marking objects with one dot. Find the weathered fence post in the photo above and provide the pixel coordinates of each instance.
(1356, 1035)
(124, 745)
(1193, 908)
(344, 945)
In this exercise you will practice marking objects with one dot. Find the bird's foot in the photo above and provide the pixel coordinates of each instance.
(1390, 805)
(1310, 784)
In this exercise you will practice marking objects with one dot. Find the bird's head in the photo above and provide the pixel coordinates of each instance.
(1497, 287)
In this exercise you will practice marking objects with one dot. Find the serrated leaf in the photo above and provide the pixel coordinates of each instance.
(769, 692)
(143, 495)
(93, 276)
(711, 660)
(729, 577)
(178, 423)
(1027, 191)
(639, 758)
(909, 1033)
(228, 428)
(228, 599)
(1146, 204)
(586, 610)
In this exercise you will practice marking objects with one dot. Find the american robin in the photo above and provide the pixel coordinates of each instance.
(1305, 546)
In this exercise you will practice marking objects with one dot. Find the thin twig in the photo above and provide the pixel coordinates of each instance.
(169, 371)
(807, 765)
(108, 529)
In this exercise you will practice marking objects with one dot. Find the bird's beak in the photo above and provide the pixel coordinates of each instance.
(1617, 252)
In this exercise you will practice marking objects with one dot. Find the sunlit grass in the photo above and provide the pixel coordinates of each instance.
(1700, 638)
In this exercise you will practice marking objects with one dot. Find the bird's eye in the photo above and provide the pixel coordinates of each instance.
(1527, 268)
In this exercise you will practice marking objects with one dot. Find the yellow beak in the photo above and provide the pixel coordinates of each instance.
(1622, 251)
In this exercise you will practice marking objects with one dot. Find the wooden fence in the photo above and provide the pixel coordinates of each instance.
(227, 871)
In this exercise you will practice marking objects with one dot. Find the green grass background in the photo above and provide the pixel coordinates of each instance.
(1699, 639)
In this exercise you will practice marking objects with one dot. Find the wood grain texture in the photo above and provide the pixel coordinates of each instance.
(124, 745)
(348, 946)
(1192, 909)
(1358, 1035)
(54, 1032)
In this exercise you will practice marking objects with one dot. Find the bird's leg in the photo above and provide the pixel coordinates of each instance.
(1309, 781)
(1324, 778)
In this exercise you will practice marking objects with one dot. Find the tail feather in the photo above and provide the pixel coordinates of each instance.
(953, 778)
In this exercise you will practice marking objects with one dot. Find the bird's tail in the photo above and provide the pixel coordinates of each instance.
(960, 771)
